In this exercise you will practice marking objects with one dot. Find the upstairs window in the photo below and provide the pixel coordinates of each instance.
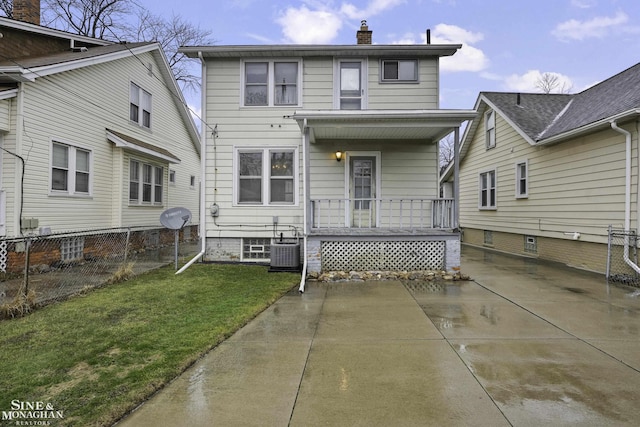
(490, 126)
(70, 170)
(272, 83)
(399, 70)
(140, 106)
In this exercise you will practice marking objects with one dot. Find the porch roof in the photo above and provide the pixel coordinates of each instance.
(422, 125)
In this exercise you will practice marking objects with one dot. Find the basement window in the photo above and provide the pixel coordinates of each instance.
(72, 249)
(488, 237)
(256, 249)
(531, 244)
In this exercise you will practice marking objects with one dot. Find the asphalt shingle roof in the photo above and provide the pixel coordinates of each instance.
(542, 116)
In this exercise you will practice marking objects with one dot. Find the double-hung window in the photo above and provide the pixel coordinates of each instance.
(487, 189)
(490, 128)
(271, 83)
(139, 106)
(399, 70)
(266, 176)
(70, 170)
(522, 179)
(146, 183)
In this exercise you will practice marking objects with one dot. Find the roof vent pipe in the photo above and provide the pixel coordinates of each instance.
(428, 36)
(518, 99)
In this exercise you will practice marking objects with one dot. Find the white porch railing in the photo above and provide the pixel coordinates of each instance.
(400, 213)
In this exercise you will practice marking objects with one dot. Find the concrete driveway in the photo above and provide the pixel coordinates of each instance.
(523, 344)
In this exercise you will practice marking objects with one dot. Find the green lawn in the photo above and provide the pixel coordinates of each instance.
(99, 355)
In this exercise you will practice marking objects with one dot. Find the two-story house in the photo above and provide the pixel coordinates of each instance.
(93, 134)
(332, 146)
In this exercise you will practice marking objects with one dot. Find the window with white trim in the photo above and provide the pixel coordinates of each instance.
(522, 179)
(487, 189)
(139, 106)
(490, 128)
(399, 70)
(271, 83)
(146, 183)
(70, 170)
(172, 177)
(266, 176)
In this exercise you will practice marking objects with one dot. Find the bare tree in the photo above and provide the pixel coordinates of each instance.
(6, 7)
(171, 34)
(548, 82)
(103, 19)
(446, 151)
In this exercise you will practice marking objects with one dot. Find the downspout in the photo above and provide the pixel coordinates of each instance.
(627, 195)
(202, 229)
(303, 279)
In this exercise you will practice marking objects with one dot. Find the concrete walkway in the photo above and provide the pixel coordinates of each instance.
(523, 344)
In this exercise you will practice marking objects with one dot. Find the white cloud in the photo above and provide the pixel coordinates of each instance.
(304, 26)
(583, 4)
(468, 57)
(597, 27)
(528, 82)
(374, 7)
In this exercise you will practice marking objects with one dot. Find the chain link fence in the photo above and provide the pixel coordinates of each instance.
(618, 271)
(38, 270)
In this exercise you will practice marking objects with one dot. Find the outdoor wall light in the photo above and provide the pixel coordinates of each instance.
(338, 155)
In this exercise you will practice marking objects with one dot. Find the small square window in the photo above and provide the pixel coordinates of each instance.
(530, 244)
(192, 181)
(172, 177)
(72, 249)
(394, 70)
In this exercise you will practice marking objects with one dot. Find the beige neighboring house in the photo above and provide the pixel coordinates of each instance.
(546, 175)
(331, 150)
(93, 134)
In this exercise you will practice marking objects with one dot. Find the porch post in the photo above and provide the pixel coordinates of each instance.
(307, 174)
(456, 177)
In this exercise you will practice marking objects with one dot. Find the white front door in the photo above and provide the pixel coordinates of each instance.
(362, 191)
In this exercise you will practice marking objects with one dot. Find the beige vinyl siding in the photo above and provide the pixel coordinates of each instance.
(318, 84)
(577, 185)
(237, 126)
(404, 96)
(95, 98)
(5, 110)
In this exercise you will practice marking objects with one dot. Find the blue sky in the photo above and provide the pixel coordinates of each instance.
(507, 44)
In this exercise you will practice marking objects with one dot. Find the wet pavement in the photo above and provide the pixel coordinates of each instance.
(523, 343)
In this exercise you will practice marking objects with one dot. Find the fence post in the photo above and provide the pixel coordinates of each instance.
(609, 254)
(126, 246)
(27, 251)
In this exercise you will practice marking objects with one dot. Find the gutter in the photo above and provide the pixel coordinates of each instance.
(590, 127)
(627, 195)
(202, 229)
(303, 279)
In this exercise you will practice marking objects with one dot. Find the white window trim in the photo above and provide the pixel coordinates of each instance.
(140, 121)
(490, 207)
(526, 178)
(364, 79)
(165, 178)
(266, 182)
(270, 82)
(398, 80)
(71, 178)
(489, 143)
(172, 177)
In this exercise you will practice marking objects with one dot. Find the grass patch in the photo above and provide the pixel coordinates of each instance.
(99, 355)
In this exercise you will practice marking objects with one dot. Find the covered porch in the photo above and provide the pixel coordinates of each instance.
(371, 194)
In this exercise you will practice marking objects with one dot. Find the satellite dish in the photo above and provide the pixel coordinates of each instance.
(175, 218)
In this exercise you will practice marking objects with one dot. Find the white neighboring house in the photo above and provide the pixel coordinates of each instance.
(333, 147)
(93, 134)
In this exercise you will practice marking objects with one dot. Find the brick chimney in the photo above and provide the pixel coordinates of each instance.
(27, 11)
(364, 35)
